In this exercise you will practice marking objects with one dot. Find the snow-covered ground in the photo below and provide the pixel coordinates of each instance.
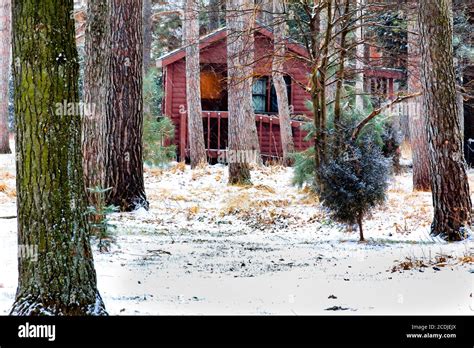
(207, 248)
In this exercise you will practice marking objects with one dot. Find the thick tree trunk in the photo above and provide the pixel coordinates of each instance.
(241, 137)
(417, 115)
(279, 55)
(193, 88)
(60, 278)
(96, 88)
(124, 162)
(449, 182)
(5, 54)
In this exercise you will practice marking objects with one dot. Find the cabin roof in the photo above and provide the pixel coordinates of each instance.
(219, 34)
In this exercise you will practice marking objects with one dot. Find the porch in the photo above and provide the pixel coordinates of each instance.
(215, 124)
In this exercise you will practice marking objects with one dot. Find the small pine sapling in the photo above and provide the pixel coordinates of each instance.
(354, 182)
(101, 228)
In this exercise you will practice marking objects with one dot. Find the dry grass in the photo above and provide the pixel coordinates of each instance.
(179, 167)
(178, 197)
(244, 205)
(265, 188)
(192, 211)
(6, 176)
(405, 150)
(408, 264)
(439, 261)
(155, 171)
(200, 172)
(3, 187)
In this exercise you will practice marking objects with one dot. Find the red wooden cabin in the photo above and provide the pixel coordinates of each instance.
(213, 58)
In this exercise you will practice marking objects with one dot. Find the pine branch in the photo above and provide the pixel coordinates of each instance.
(400, 98)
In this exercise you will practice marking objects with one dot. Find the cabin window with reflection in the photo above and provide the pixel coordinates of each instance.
(264, 94)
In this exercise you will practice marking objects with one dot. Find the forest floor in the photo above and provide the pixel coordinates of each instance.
(208, 248)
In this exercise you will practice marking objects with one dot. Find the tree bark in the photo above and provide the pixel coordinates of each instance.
(193, 88)
(124, 160)
(241, 137)
(60, 278)
(318, 88)
(279, 55)
(417, 115)
(247, 61)
(340, 76)
(449, 182)
(147, 34)
(360, 56)
(361, 230)
(5, 53)
(214, 15)
(96, 88)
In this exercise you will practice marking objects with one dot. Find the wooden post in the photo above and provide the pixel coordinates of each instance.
(208, 133)
(219, 131)
(271, 135)
(391, 92)
(182, 138)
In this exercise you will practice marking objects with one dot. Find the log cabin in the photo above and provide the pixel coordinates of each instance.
(213, 61)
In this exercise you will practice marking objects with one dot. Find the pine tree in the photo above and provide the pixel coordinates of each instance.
(124, 158)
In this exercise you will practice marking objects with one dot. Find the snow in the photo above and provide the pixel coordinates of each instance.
(208, 248)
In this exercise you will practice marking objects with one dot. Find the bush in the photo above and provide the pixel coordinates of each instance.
(355, 182)
(155, 134)
(157, 130)
(303, 162)
(101, 228)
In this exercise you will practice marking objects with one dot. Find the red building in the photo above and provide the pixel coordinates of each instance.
(213, 57)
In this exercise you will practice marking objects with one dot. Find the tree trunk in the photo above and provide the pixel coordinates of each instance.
(318, 89)
(417, 116)
(266, 11)
(147, 35)
(124, 162)
(360, 56)
(239, 45)
(449, 182)
(361, 230)
(58, 276)
(340, 77)
(96, 87)
(5, 54)
(214, 15)
(279, 48)
(247, 61)
(193, 88)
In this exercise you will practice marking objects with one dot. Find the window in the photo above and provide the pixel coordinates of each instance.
(264, 94)
(259, 94)
(213, 87)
